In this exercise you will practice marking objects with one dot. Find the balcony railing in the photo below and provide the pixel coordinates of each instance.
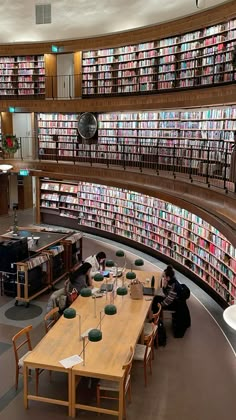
(207, 165)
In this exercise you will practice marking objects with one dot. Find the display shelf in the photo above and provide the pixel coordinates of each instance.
(57, 257)
(32, 278)
(167, 230)
(22, 76)
(195, 59)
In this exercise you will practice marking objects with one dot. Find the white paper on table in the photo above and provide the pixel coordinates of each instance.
(71, 361)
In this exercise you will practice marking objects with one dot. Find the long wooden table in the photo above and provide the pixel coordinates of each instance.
(104, 359)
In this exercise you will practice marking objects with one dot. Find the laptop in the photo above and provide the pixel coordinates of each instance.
(149, 291)
(106, 287)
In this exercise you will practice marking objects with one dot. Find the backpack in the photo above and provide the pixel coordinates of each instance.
(184, 292)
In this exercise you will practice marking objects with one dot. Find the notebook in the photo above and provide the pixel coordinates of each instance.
(149, 291)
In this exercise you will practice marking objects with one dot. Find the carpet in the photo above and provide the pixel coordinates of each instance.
(4, 347)
(21, 313)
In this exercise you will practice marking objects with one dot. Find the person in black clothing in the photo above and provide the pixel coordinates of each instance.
(173, 300)
(171, 291)
(81, 278)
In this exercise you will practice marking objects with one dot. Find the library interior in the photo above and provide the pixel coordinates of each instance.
(118, 209)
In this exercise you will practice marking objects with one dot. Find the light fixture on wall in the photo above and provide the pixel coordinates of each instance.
(5, 168)
(229, 316)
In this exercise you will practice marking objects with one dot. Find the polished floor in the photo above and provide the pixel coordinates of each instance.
(194, 378)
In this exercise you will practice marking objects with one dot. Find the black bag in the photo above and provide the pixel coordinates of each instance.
(184, 292)
(161, 333)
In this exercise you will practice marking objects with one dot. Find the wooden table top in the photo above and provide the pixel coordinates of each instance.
(104, 358)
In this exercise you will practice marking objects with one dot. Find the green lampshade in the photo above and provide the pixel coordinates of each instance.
(110, 309)
(139, 262)
(95, 335)
(86, 292)
(98, 277)
(120, 253)
(69, 313)
(122, 291)
(110, 263)
(130, 275)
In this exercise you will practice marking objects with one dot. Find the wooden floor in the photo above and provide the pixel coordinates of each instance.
(194, 378)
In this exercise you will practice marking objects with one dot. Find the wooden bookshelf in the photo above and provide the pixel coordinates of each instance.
(174, 137)
(57, 135)
(33, 278)
(158, 227)
(22, 76)
(194, 59)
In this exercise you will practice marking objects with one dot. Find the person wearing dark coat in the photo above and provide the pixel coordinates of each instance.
(81, 278)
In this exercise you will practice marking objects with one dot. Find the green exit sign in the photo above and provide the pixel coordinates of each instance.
(24, 172)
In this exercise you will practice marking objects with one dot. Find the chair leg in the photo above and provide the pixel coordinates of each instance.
(150, 364)
(36, 381)
(124, 408)
(145, 374)
(129, 392)
(17, 378)
(98, 398)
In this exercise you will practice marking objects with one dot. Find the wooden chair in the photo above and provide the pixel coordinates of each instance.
(152, 327)
(22, 347)
(51, 318)
(106, 389)
(143, 354)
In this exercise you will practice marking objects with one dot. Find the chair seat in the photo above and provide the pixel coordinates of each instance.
(106, 385)
(148, 329)
(21, 360)
(139, 352)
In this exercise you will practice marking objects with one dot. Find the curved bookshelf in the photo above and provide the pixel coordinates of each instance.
(145, 222)
(195, 59)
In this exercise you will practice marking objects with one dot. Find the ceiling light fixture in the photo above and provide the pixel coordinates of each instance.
(4, 168)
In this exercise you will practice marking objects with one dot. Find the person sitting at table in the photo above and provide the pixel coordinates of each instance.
(171, 290)
(97, 262)
(81, 278)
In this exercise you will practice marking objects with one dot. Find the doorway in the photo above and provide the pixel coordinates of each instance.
(65, 76)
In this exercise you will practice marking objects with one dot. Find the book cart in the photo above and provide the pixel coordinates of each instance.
(33, 278)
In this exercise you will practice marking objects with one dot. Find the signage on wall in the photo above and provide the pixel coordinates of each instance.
(24, 172)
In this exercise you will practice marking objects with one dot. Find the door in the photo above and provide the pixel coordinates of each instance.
(65, 76)
(22, 128)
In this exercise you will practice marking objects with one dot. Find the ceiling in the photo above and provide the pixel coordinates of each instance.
(76, 19)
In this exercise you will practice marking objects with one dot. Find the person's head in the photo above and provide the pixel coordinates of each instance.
(101, 256)
(169, 273)
(84, 269)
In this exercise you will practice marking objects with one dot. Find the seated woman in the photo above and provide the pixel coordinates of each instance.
(97, 262)
(171, 290)
(81, 278)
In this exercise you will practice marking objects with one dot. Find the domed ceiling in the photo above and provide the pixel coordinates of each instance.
(76, 19)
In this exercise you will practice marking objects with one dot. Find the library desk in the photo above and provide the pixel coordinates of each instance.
(103, 359)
